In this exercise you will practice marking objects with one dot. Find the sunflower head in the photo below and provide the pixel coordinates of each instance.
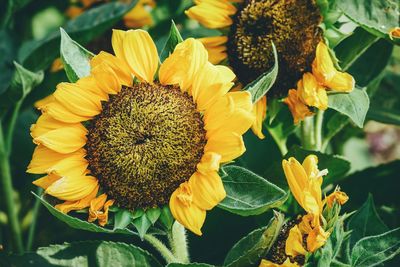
(142, 142)
(293, 27)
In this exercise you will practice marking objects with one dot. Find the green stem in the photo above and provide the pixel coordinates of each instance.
(6, 186)
(179, 243)
(307, 133)
(160, 247)
(318, 130)
(32, 228)
(11, 126)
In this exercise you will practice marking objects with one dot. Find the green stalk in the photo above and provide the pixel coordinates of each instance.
(11, 126)
(7, 188)
(32, 228)
(178, 243)
(318, 130)
(307, 133)
(160, 247)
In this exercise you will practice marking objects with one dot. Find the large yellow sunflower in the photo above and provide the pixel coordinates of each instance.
(142, 134)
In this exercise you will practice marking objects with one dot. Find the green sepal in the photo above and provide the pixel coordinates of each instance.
(153, 214)
(173, 40)
(142, 225)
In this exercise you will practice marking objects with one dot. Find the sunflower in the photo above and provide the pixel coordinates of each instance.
(309, 232)
(141, 134)
(249, 27)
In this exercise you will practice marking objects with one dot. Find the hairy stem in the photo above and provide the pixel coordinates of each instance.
(318, 130)
(179, 243)
(307, 133)
(160, 247)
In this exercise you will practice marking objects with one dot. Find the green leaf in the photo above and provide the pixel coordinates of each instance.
(351, 48)
(75, 58)
(374, 250)
(39, 54)
(87, 254)
(142, 224)
(166, 217)
(336, 165)
(249, 194)
(193, 264)
(354, 105)
(365, 222)
(78, 223)
(259, 87)
(376, 16)
(251, 248)
(384, 115)
(122, 219)
(153, 214)
(173, 40)
(21, 85)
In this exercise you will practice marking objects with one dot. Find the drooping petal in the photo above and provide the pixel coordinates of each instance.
(229, 145)
(141, 54)
(208, 189)
(260, 113)
(338, 197)
(63, 140)
(185, 211)
(294, 243)
(298, 109)
(209, 162)
(216, 47)
(311, 92)
(120, 67)
(72, 188)
(316, 239)
(67, 206)
(182, 66)
(99, 209)
(212, 14)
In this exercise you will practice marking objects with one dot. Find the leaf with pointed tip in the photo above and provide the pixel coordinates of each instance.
(122, 219)
(142, 224)
(153, 214)
(173, 40)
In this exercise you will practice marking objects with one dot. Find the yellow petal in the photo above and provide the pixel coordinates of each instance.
(212, 14)
(63, 140)
(208, 189)
(316, 239)
(286, 263)
(306, 225)
(72, 188)
(211, 83)
(294, 243)
(311, 92)
(119, 66)
(67, 206)
(216, 48)
(138, 16)
(141, 54)
(117, 41)
(260, 113)
(57, 65)
(90, 84)
(46, 181)
(99, 209)
(338, 197)
(185, 211)
(78, 100)
(209, 162)
(44, 159)
(61, 113)
(44, 101)
(298, 109)
(182, 66)
(106, 79)
(74, 164)
(46, 123)
(310, 165)
(242, 99)
(326, 73)
(229, 145)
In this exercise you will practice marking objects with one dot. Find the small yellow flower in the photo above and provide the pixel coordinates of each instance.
(286, 263)
(336, 196)
(294, 243)
(305, 182)
(327, 75)
(298, 109)
(311, 92)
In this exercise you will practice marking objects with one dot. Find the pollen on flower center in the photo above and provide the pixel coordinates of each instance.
(145, 143)
(293, 27)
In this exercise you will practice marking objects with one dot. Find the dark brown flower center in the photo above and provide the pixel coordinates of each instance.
(145, 143)
(293, 27)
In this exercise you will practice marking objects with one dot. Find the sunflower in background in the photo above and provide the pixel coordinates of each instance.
(248, 27)
(138, 17)
(306, 234)
(140, 134)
